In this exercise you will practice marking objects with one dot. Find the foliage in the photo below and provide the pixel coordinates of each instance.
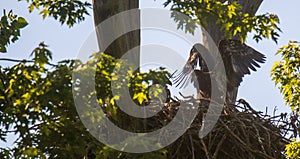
(109, 70)
(293, 150)
(36, 98)
(146, 85)
(10, 26)
(37, 105)
(65, 11)
(229, 15)
(286, 74)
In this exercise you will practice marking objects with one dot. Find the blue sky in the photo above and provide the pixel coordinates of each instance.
(257, 89)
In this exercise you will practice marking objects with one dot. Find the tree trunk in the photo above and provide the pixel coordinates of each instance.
(104, 9)
(189, 145)
(214, 30)
(117, 24)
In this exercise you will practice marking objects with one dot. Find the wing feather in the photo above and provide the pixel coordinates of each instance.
(183, 78)
(241, 58)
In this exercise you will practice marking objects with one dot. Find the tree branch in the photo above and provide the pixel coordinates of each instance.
(24, 61)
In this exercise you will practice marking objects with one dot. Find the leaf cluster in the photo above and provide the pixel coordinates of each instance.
(10, 26)
(286, 74)
(119, 75)
(293, 150)
(230, 16)
(148, 85)
(36, 104)
(65, 11)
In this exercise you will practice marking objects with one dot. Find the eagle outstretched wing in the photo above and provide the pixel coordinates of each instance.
(185, 75)
(238, 59)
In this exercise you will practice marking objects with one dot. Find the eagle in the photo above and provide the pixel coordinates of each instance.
(238, 59)
(191, 73)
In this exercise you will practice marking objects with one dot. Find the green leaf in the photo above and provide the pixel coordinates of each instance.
(21, 22)
(3, 49)
(140, 97)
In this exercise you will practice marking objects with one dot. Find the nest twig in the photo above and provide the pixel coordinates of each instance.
(241, 133)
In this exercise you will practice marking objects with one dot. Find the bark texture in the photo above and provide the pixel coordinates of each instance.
(104, 9)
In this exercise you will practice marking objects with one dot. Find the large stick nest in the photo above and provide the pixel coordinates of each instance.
(240, 132)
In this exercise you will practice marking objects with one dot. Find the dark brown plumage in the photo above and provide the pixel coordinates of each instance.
(204, 83)
(195, 57)
(238, 60)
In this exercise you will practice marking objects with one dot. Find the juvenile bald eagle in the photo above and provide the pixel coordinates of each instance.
(189, 70)
(238, 59)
